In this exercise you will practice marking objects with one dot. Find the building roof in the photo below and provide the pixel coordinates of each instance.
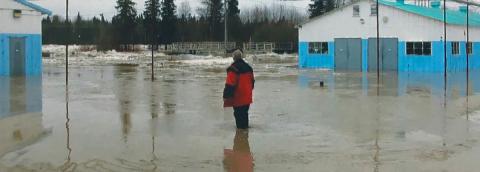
(454, 17)
(35, 7)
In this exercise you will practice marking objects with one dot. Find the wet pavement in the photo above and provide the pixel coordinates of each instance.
(114, 118)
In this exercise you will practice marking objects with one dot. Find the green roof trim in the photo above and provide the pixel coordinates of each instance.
(454, 17)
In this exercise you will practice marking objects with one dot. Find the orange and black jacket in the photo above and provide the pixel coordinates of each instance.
(239, 85)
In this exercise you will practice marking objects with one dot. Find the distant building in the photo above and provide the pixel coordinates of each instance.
(21, 37)
(411, 38)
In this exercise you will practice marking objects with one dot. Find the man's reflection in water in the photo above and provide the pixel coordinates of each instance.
(239, 159)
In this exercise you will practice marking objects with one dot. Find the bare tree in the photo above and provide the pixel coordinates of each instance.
(184, 9)
(272, 12)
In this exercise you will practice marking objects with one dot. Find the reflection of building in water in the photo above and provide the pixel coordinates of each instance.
(239, 158)
(169, 103)
(125, 77)
(20, 112)
(407, 101)
(393, 83)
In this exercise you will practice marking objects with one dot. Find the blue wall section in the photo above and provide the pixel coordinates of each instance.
(406, 63)
(4, 60)
(456, 63)
(307, 60)
(33, 52)
(364, 54)
(474, 58)
(34, 55)
(416, 63)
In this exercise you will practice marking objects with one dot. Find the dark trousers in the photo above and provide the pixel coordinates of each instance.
(241, 116)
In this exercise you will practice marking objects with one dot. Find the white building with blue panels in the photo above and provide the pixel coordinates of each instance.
(21, 38)
(411, 38)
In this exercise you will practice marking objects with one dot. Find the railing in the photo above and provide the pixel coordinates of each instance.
(200, 47)
(259, 47)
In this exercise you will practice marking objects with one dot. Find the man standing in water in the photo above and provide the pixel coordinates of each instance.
(238, 89)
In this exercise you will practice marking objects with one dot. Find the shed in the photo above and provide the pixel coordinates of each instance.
(21, 38)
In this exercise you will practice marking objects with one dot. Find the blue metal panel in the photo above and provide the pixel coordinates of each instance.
(4, 55)
(307, 60)
(29, 55)
(302, 55)
(456, 63)
(406, 63)
(416, 63)
(364, 54)
(474, 58)
(365, 66)
(33, 52)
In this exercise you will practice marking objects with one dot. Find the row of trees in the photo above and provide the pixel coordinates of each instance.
(320, 7)
(163, 23)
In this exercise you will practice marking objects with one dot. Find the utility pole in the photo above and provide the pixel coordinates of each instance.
(445, 68)
(67, 42)
(445, 44)
(226, 26)
(467, 51)
(378, 46)
(466, 46)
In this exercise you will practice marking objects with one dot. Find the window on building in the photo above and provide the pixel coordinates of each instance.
(455, 48)
(373, 10)
(419, 48)
(427, 48)
(356, 10)
(318, 48)
(470, 48)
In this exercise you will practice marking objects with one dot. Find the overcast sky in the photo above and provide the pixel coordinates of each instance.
(90, 8)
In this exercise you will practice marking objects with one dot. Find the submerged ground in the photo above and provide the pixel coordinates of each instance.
(112, 117)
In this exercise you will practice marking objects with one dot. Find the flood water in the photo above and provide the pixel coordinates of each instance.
(114, 118)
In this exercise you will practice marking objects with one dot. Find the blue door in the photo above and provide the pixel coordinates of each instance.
(348, 54)
(17, 56)
(388, 58)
